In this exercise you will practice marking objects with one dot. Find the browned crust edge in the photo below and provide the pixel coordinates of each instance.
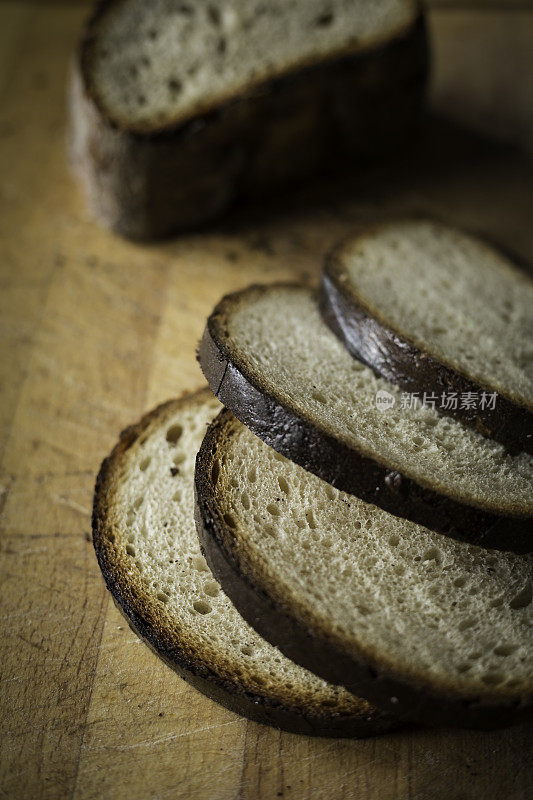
(143, 619)
(394, 356)
(302, 440)
(313, 648)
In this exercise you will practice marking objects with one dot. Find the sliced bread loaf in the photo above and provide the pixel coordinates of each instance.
(443, 315)
(178, 107)
(434, 629)
(277, 366)
(147, 548)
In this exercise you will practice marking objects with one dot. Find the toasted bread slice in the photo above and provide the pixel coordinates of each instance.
(434, 629)
(148, 551)
(179, 107)
(442, 314)
(270, 358)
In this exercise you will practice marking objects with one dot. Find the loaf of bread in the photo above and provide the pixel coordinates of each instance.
(179, 108)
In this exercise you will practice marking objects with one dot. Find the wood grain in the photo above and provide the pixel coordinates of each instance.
(95, 330)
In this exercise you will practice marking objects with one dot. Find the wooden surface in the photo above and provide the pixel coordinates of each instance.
(94, 331)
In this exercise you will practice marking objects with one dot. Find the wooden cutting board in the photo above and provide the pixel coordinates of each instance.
(95, 330)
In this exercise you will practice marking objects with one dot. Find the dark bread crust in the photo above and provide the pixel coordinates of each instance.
(394, 356)
(142, 615)
(307, 443)
(153, 182)
(317, 648)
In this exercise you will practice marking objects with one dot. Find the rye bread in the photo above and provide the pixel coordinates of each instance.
(433, 629)
(150, 178)
(406, 257)
(418, 465)
(148, 551)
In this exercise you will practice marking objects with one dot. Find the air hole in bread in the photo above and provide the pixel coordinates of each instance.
(505, 649)
(177, 496)
(310, 518)
(324, 20)
(523, 598)
(245, 500)
(221, 45)
(394, 540)
(433, 554)
(200, 564)
(320, 397)
(175, 86)
(174, 434)
(153, 34)
(137, 502)
(163, 598)
(283, 484)
(230, 521)
(247, 650)
(273, 509)
(145, 463)
(202, 606)
(270, 531)
(130, 550)
(460, 581)
(211, 588)
(468, 622)
(214, 15)
(215, 471)
(252, 474)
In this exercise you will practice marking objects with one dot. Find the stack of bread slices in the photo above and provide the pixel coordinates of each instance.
(345, 544)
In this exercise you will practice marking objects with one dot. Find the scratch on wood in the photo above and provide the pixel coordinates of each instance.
(65, 501)
(170, 737)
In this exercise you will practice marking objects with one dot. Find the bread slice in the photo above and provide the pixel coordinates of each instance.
(180, 107)
(442, 313)
(270, 358)
(434, 629)
(147, 548)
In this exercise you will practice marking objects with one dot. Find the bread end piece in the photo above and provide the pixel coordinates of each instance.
(151, 182)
